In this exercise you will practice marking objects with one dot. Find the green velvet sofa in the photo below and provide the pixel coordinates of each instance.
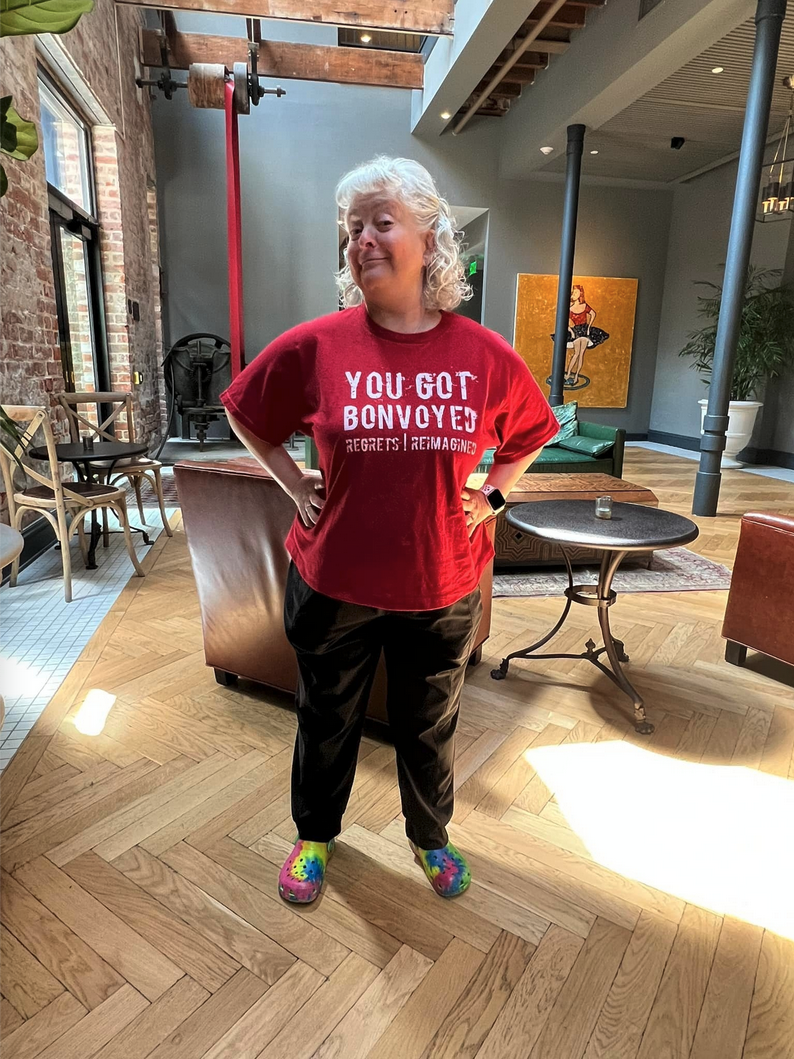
(553, 459)
(556, 460)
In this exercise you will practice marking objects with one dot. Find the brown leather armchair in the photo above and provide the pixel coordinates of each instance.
(237, 519)
(760, 611)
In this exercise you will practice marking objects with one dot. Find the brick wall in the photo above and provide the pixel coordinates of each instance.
(30, 370)
(103, 46)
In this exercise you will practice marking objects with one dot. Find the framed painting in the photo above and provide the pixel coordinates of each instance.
(599, 338)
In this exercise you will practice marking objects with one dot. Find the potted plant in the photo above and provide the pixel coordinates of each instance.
(765, 348)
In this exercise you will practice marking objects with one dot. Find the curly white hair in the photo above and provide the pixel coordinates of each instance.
(445, 285)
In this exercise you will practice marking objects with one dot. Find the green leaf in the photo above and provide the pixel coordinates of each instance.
(3, 182)
(41, 16)
(765, 346)
(18, 138)
(10, 434)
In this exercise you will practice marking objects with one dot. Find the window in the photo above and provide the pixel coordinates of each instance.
(75, 242)
(67, 153)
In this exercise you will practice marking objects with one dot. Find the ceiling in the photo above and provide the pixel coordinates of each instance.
(349, 37)
(507, 82)
(707, 109)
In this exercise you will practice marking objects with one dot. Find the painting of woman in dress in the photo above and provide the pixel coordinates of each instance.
(598, 377)
(581, 337)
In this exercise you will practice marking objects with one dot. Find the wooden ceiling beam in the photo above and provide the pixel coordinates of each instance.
(550, 47)
(433, 18)
(302, 62)
(519, 75)
(566, 18)
(530, 59)
(503, 90)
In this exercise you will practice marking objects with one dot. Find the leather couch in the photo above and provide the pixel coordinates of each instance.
(760, 610)
(237, 519)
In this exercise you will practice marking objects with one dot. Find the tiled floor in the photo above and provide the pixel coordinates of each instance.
(41, 636)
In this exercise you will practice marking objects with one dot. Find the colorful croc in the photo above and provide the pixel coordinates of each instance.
(301, 878)
(446, 869)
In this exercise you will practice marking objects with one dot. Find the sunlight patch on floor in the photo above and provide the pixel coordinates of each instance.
(90, 718)
(714, 835)
(17, 677)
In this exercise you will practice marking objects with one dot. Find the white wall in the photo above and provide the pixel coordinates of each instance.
(697, 247)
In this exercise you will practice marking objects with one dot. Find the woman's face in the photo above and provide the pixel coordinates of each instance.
(387, 251)
(576, 295)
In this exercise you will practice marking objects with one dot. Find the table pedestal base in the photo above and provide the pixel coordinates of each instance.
(602, 597)
(96, 533)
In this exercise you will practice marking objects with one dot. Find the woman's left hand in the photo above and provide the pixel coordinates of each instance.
(475, 507)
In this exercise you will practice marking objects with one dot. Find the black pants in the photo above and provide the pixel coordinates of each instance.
(338, 646)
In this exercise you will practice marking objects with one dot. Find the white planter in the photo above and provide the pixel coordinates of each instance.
(741, 420)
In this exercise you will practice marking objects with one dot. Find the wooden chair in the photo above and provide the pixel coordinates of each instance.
(134, 469)
(70, 501)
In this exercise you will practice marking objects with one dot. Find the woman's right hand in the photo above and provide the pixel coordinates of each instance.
(309, 497)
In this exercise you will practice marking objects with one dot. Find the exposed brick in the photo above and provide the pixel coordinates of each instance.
(30, 363)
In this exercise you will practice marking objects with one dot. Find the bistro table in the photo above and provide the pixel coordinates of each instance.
(108, 453)
(573, 524)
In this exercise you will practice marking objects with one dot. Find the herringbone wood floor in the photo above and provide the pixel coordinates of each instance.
(140, 917)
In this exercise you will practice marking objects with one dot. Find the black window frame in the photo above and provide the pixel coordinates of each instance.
(67, 214)
(64, 214)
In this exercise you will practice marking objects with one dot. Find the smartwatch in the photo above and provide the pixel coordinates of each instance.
(494, 498)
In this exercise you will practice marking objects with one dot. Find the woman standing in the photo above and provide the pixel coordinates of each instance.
(402, 397)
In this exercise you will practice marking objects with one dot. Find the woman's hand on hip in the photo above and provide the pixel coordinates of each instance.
(308, 500)
(475, 507)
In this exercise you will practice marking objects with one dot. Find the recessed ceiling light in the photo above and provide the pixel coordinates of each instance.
(365, 38)
(445, 114)
(546, 150)
(594, 152)
(717, 69)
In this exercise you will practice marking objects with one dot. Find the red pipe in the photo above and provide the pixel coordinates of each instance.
(234, 234)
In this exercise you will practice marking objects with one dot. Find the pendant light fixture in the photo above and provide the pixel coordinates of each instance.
(777, 199)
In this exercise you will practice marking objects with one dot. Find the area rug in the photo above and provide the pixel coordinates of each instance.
(148, 495)
(676, 570)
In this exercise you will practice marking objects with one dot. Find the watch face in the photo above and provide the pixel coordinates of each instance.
(496, 500)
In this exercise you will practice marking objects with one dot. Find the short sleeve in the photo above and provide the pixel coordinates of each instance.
(525, 422)
(269, 396)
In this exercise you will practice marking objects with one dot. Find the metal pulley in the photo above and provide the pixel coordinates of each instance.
(242, 91)
(206, 86)
(206, 81)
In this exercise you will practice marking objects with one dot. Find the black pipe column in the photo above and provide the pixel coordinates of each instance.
(768, 20)
(573, 170)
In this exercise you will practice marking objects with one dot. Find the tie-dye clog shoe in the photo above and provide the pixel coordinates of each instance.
(301, 878)
(446, 869)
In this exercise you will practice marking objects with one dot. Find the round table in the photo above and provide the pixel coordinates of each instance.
(106, 452)
(73, 452)
(632, 528)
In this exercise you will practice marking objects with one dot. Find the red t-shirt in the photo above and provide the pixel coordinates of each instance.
(400, 421)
